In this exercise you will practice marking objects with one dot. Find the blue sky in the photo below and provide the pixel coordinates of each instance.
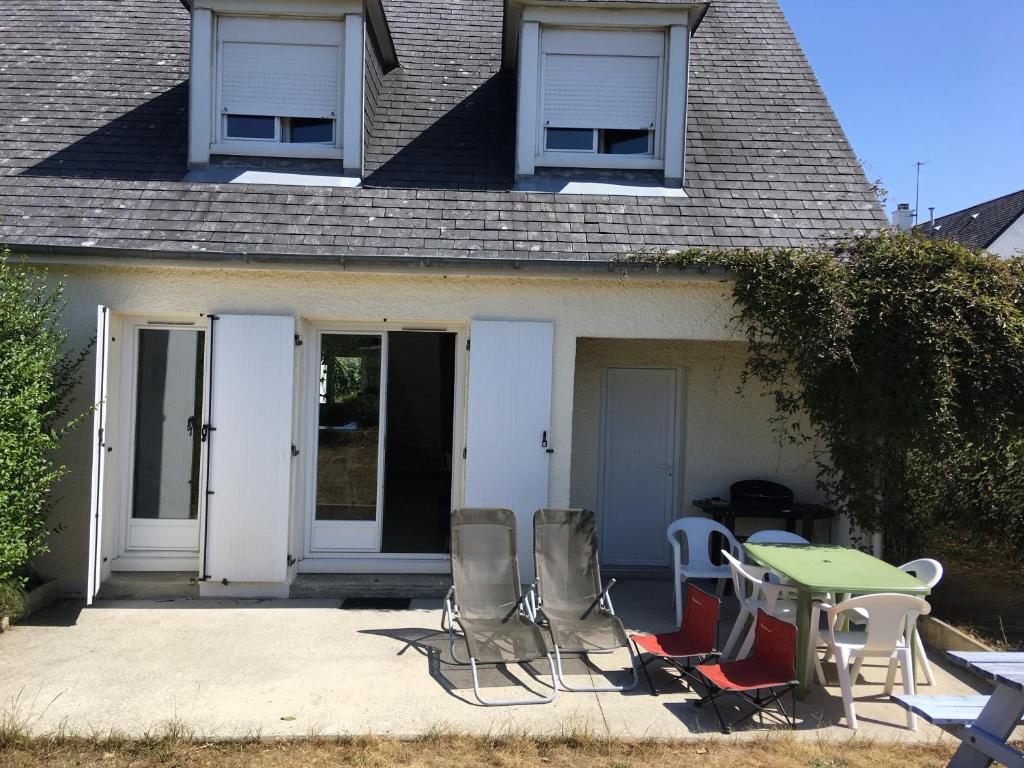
(930, 80)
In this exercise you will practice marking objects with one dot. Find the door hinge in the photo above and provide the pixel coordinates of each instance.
(463, 453)
(204, 434)
(295, 450)
(291, 561)
(467, 345)
(298, 341)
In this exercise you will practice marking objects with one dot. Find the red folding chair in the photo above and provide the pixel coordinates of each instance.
(695, 640)
(767, 673)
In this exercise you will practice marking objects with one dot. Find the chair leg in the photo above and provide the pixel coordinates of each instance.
(509, 702)
(855, 671)
(907, 670)
(679, 600)
(748, 641)
(890, 676)
(846, 686)
(819, 670)
(922, 658)
(737, 630)
(599, 689)
(719, 591)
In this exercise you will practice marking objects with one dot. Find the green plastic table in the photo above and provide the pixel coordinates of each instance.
(840, 570)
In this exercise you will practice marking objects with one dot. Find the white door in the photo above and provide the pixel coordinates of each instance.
(639, 429)
(507, 422)
(99, 456)
(250, 441)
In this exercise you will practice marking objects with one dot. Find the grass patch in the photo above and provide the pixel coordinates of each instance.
(445, 750)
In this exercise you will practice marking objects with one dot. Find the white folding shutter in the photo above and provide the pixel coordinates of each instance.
(99, 455)
(249, 471)
(508, 416)
(278, 79)
(601, 79)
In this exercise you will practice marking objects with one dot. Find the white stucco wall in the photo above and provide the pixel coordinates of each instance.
(719, 443)
(1011, 242)
(726, 435)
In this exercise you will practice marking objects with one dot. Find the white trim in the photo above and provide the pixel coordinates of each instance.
(595, 160)
(332, 9)
(350, 122)
(528, 98)
(674, 113)
(256, 148)
(606, 17)
(200, 96)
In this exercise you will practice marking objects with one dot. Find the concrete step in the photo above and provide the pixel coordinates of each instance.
(137, 585)
(342, 585)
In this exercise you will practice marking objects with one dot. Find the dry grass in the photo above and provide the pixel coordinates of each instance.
(443, 750)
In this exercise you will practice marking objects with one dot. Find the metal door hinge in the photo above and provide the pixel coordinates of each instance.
(291, 561)
(467, 345)
(463, 453)
(298, 341)
(204, 434)
(295, 450)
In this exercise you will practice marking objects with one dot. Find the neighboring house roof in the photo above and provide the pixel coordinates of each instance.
(980, 225)
(93, 132)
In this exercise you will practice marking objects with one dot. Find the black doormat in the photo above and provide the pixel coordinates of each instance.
(377, 603)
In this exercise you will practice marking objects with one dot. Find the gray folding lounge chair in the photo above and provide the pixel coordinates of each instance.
(578, 611)
(486, 600)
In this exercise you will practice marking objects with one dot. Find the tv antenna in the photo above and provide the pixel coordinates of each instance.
(917, 190)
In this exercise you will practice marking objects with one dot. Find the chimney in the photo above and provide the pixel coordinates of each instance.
(903, 217)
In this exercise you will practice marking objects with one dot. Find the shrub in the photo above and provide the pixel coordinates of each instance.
(37, 378)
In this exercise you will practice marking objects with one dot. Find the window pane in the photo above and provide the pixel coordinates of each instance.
(310, 130)
(168, 419)
(349, 427)
(572, 139)
(251, 127)
(623, 142)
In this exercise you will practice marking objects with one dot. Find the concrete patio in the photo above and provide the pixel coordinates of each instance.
(234, 668)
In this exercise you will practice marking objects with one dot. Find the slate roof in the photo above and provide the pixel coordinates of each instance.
(93, 100)
(980, 225)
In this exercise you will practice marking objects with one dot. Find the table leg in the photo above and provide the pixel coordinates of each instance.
(803, 629)
(997, 720)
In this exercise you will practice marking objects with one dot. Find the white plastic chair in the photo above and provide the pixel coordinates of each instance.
(891, 619)
(754, 592)
(930, 572)
(776, 537)
(697, 531)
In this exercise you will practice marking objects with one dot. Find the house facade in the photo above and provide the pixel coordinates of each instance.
(352, 264)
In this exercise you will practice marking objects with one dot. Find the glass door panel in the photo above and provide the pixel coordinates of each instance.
(168, 416)
(348, 443)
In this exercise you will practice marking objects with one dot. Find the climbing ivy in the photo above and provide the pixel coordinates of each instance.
(905, 357)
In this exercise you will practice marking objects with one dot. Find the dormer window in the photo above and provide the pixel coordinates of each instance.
(278, 82)
(601, 93)
(279, 79)
(601, 85)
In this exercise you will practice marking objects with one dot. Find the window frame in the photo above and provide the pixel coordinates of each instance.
(284, 34)
(654, 160)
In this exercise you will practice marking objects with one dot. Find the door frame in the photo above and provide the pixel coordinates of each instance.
(154, 559)
(375, 561)
(677, 486)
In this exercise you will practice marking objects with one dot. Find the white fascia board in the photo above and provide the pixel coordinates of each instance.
(594, 160)
(606, 17)
(309, 8)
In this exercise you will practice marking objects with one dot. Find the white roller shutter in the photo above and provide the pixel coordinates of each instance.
(507, 420)
(620, 87)
(283, 68)
(99, 455)
(249, 473)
